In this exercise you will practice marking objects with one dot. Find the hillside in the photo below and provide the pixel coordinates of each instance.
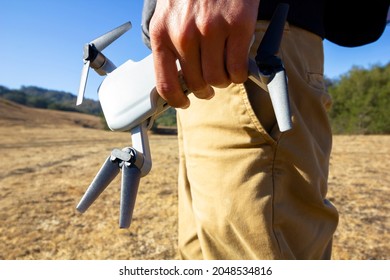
(13, 114)
(49, 158)
(37, 97)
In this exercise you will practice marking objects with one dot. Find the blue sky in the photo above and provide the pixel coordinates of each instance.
(41, 42)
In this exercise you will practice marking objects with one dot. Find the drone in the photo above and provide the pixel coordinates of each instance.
(130, 102)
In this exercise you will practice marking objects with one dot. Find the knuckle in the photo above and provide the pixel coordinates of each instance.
(156, 28)
(204, 94)
(184, 37)
(171, 96)
(205, 27)
(193, 80)
(164, 89)
(196, 86)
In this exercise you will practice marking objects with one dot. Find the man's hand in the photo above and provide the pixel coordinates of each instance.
(209, 38)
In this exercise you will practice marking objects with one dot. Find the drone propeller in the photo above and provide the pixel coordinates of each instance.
(104, 177)
(105, 40)
(125, 159)
(83, 83)
(271, 68)
(131, 176)
(95, 59)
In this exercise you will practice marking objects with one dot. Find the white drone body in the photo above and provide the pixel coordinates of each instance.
(128, 95)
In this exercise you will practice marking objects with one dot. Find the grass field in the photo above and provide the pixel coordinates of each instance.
(49, 158)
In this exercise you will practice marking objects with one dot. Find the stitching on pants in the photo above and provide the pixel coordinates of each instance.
(276, 147)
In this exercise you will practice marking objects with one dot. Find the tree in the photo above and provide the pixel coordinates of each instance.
(361, 100)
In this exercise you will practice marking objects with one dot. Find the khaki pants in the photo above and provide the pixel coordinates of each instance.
(247, 191)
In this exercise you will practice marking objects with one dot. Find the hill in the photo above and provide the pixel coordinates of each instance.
(37, 97)
(42, 98)
(13, 114)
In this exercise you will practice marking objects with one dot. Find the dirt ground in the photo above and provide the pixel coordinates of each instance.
(49, 159)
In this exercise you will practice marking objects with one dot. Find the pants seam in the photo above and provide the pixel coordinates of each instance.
(273, 197)
(275, 145)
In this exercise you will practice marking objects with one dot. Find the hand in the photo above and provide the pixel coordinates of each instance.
(209, 38)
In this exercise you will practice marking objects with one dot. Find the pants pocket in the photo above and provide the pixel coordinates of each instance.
(260, 110)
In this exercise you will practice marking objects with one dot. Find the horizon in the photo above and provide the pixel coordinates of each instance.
(335, 79)
(45, 45)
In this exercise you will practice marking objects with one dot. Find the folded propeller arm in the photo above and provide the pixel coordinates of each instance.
(134, 162)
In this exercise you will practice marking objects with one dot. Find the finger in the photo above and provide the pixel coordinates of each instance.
(167, 82)
(213, 61)
(237, 49)
(191, 67)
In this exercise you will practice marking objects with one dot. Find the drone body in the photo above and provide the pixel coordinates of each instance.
(128, 96)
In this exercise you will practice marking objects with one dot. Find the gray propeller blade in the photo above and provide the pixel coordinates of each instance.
(103, 41)
(277, 88)
(130, 180)
(93, 50)
(104, 177)
(83, 82)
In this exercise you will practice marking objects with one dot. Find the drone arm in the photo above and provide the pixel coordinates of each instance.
(105, 67)
(94, 58)
(254, 76)
(140, 142)
(97, 60)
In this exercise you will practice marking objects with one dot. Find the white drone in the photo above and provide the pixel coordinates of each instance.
(130, 102)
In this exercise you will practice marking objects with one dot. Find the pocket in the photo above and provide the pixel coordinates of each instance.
(259, 108)
(316, 80)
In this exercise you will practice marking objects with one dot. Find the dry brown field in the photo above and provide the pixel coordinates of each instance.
(49, 158)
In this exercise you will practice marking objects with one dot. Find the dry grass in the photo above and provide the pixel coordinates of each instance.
(48, 160)
(359, 185)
